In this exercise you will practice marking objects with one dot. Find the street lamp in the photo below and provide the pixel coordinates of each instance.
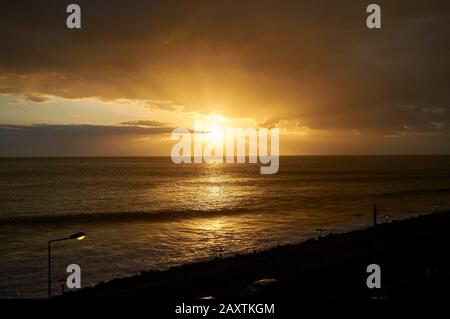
(77, 236)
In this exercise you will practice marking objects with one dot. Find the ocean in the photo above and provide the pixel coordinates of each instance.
(148, 213)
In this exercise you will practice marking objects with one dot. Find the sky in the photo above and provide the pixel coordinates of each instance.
(138, 69)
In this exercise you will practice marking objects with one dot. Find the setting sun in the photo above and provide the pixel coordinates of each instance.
(214, 134)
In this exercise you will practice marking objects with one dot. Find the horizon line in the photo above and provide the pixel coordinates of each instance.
(167, 156)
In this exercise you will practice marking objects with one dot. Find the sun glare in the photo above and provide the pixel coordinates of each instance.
(214, 133)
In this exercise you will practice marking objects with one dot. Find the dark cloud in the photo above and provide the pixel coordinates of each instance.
(87, 129)
(314, 61)
(30, 97)
(73, 139)
(147, 123)
(37, 98)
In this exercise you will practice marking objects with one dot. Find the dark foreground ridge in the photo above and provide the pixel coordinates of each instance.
(413, 254)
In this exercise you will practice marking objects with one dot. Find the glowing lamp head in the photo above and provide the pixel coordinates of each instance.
(78, 236)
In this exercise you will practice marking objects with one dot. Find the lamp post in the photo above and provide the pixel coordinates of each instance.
(77, 236)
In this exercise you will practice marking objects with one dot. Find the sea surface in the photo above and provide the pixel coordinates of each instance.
(148, 213)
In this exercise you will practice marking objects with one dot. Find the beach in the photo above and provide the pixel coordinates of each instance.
(412, 254)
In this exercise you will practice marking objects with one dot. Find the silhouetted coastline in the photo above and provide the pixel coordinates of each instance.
(413, 256)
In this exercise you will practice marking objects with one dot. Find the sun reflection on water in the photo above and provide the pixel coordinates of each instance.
(212, 224)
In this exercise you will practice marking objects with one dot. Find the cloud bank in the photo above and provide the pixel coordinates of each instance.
(312, 61)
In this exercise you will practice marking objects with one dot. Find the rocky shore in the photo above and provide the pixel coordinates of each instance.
(413, 256)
